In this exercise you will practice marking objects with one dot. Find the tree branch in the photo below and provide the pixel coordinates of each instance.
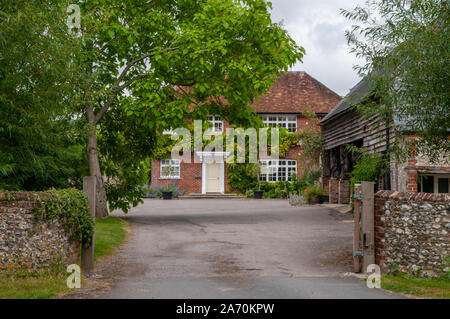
(118, 88)
(114, 92)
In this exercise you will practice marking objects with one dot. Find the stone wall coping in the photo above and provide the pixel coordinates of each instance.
(24, 196)
(426, 197)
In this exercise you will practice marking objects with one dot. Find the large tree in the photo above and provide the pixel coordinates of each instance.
(404, 45)
(39, 148)
(151, 65)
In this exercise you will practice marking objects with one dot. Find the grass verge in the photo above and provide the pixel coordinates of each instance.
(435, 288)
(37, 285)
(109, 233)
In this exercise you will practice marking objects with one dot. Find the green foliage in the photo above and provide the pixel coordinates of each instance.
(110, 232)
(310, 140)
(40, 146)
(280, 189)
(156, 192)
(125, 188)
(313, 191)
(240, 176)
(46, 283)
(436, 288)
(126, 75)
(244, 176)
(69, 206)
(178, 60)
(368, 167)
(42, 285)
(309, 178)
(404, 46)
(249, 193)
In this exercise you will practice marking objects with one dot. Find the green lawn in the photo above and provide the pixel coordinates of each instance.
(420, 287)
(42, 286)
(109, 233)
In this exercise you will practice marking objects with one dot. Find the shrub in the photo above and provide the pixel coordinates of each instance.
(241, 177)
(313, 191)
(280, 189)
(309, 178)
(297, 199)
(156, 191)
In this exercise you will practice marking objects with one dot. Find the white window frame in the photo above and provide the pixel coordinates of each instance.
(435, 182)
(273, 172)
(170, 163)
(286, 121)
(217, 123)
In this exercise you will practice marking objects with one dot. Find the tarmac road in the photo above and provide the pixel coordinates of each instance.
(240, 248)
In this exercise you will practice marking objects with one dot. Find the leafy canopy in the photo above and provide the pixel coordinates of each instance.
(38, 145)
(157, 64)
(405, 45)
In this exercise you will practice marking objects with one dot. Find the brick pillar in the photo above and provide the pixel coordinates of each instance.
(344, 191)
(379, 230)
(412, 182)
(412, 174)
(333, 189)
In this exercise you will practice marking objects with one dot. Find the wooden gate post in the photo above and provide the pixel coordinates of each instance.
(368, 225)
(87, 254)
(356, 231)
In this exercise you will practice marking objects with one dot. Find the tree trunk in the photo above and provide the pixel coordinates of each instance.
(101, 210)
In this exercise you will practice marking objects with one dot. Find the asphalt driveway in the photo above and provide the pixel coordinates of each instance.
(246, 248)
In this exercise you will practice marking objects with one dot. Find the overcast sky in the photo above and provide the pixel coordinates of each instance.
(318, 26)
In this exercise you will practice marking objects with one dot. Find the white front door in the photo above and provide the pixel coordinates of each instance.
(213, 177)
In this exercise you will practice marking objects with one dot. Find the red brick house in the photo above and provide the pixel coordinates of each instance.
(282, 105)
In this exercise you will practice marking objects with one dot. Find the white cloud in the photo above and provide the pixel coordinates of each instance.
(318, 26)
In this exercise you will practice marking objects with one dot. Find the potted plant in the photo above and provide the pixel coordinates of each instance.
(313, 195)
(167, 193)
(255, 171)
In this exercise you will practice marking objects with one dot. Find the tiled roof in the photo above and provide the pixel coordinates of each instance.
(295, 91)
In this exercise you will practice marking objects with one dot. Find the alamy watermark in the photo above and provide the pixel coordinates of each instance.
(235, 144)
(374, 279)
(74, 17)
(74, 279)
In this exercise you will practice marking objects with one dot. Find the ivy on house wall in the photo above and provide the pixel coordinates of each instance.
(310, 140)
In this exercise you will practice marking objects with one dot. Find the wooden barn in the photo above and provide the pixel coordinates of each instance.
(344, 125)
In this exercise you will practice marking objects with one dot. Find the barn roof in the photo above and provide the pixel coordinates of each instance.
(355, 96)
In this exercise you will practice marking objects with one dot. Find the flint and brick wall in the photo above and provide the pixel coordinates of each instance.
(412, 232)
(29, 244)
